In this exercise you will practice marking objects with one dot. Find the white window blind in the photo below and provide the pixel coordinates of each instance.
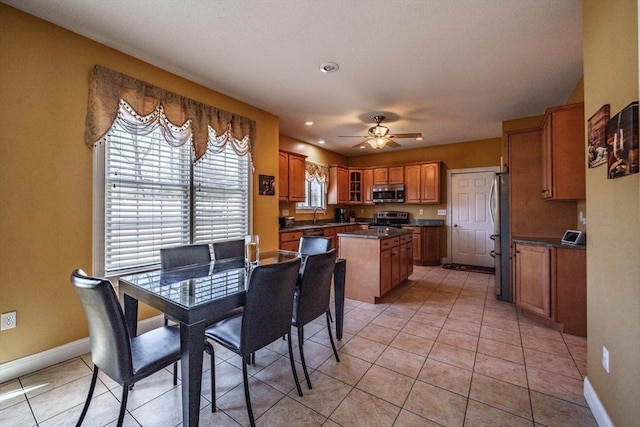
(155, 197)
(221, 192)
(147, 199)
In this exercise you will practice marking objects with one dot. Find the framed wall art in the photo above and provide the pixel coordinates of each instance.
(622, 142)
(597, 141)
(266, 185)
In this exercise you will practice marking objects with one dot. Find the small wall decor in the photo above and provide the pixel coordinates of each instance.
(266, 185)
(622, 142)
(597, 141)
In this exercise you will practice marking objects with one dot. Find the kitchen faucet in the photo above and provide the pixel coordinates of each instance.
(314, 213)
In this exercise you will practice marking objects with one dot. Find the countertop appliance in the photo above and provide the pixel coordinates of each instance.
(391, 193)
(341, 215)
(386, 219)
(287, 221)
(502, 252)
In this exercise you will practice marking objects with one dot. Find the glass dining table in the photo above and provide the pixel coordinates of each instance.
(197, 296)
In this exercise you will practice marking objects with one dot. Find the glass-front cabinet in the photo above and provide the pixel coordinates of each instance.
(355, 186)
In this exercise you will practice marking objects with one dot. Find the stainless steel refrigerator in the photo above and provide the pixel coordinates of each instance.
(501, 252)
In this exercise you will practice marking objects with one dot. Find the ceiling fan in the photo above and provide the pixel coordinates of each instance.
(378, 136)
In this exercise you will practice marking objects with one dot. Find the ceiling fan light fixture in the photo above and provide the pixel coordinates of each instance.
(377, 143)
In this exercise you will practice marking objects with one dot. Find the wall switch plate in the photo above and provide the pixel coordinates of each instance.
(605, 359)
(442, 212)
(285, 212)
(8, 320)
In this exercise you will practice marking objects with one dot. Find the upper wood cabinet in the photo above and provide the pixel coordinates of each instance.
(563, 148)
(355, 186)
(292, 181)
(338, 192)
(422, 183)
(367, 186)
(390, 175)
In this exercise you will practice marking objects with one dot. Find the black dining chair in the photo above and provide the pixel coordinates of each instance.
(125, 359)
(265, 318)
(228, 249)
(181, 256)
(312, 296)
(310, 245)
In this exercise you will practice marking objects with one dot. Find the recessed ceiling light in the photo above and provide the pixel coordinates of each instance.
(309, 123)
(321, 141)
(329, 67)
(419, 138)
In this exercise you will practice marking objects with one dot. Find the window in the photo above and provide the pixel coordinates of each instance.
(315, 187)
(154, 196)
(314, 196)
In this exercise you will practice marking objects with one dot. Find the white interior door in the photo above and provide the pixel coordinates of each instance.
(471, 223)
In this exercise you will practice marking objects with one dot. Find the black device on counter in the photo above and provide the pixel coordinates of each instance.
(287, 221)
(341, 215)
(574, 237)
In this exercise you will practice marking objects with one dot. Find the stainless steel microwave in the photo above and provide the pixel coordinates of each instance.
(391, 193)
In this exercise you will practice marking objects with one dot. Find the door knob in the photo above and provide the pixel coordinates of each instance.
(455, 225)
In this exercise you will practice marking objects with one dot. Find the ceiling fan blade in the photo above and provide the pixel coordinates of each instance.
(406, 135)
(392, 144)
(361, 145)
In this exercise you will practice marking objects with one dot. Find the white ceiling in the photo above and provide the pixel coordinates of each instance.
(451, 69)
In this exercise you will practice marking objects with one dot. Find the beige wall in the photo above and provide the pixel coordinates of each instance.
(46, 174)
(610, 43)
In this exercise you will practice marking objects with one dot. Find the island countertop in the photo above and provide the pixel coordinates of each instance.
(376, 233)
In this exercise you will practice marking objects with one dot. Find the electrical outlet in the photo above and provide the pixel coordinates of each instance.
(605, 359)
(8, 320)
(421, 211)
(285, 212)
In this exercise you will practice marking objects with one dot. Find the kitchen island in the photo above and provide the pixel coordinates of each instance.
(378, 260)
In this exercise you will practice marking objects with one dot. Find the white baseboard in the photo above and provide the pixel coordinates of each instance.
(26, 365)
(598, 410)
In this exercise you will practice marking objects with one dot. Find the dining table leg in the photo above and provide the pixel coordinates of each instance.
(130, 314)
(338, 286)
(192, 348)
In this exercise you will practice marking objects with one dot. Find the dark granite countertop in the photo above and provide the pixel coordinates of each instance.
(550, 242)
(427, 222)
(376, 233)
(306, 226)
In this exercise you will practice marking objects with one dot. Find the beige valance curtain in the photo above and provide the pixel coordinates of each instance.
(140, 105)
(314, 171)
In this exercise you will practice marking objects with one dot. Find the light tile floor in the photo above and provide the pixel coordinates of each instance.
(438, 350)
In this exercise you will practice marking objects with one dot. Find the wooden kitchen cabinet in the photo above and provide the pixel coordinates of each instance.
(563, 145)
(388, 175)
(406, 257)
(290, 240)
(332, 233)
(367, 186)
(338, 191)
(533, 279)
(291, 168)
(550, 286)
(374, 266)
(426, 244)
(355, 186)
(422, 183)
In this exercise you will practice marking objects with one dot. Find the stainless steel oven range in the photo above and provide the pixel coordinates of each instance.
(386, 219)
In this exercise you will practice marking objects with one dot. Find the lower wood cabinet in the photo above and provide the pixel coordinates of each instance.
(427, 244)
(290, 240)
(550, 286)
(375, 266)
